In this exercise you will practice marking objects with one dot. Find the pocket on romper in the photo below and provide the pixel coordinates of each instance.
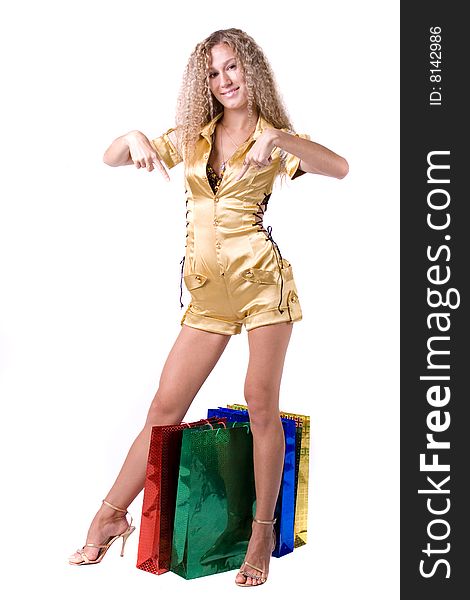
(194, 280)
(293, 306)
(269, 276)
(287, 270)
(260, 276)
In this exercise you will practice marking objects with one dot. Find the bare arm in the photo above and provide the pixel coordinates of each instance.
(117, 154)
(315, 158)
(134, 148)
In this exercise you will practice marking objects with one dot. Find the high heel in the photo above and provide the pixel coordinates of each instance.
(103, 548)
(263, 577)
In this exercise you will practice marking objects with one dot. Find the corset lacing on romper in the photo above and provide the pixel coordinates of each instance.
(182, 261)
(259, 223)
(181, 282)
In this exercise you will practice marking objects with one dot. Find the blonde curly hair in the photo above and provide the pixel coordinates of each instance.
(196, 105)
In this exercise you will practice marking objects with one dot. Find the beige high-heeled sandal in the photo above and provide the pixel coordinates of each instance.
(263, 577)
(104, 547)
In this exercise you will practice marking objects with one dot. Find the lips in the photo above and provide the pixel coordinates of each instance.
(230, 91)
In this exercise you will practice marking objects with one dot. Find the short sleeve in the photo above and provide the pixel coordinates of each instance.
(293, 162)
(166, 149)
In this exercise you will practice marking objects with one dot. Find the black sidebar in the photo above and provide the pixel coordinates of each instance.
(435, 258)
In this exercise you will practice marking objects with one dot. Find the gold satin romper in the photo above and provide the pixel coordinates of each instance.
(232, 267)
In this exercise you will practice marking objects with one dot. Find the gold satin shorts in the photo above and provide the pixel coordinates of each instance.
(242, 295)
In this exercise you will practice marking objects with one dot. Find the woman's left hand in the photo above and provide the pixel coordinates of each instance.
(260, 153)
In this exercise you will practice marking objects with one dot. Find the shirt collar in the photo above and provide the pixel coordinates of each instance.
(261, 125)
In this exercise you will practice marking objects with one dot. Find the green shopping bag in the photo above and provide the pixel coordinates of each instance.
(215, 501)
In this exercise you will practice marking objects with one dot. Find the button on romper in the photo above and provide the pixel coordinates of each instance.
(232, 267)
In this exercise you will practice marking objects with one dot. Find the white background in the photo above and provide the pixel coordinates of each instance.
(90, 276)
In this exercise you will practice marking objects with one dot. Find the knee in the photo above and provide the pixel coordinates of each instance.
(266, 423)
(259, 394)
(263, 405)
(163, 411)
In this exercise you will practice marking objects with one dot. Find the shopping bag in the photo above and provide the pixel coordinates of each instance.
(214, 503)
(302, 466)
(285, 505)
(156, 526)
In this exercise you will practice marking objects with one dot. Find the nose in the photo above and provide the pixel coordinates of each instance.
(225, 79)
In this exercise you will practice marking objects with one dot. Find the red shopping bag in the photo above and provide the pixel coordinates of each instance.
(158, 508)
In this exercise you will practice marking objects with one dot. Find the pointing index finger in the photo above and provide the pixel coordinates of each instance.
(161, 168)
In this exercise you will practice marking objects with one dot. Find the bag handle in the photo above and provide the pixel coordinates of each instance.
(217, 422)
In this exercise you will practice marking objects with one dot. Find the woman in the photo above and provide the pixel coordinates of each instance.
(234, 137)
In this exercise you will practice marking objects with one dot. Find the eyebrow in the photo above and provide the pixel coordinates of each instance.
(225, 63)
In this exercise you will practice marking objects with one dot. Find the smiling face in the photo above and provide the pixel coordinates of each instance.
(225, 77)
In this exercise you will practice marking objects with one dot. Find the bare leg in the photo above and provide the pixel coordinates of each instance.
(190, 361)
(268, 347)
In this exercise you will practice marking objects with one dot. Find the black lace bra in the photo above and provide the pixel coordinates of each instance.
(213, 178)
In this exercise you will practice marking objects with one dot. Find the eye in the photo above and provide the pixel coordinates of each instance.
(212, 75)
(234, 66)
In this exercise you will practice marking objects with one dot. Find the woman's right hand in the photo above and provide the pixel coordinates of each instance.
(142, 153)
